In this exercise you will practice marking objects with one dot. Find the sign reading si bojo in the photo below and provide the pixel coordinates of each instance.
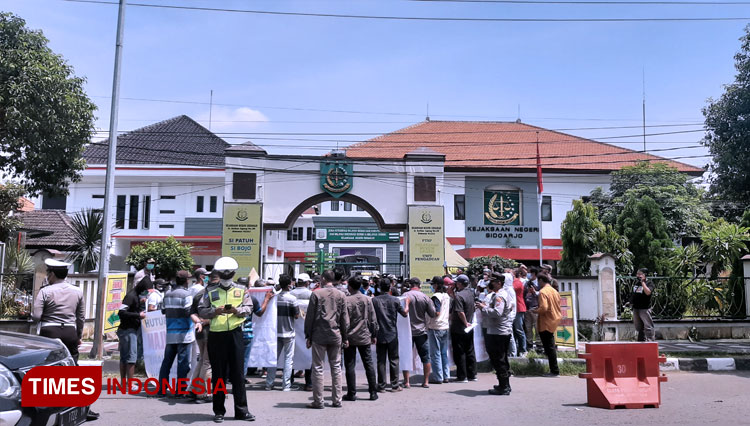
(502, 208)
(116, 288)
(567, 331)
(336, 177)
(241, 236)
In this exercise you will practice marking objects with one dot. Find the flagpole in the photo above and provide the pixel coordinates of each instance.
(539, 189)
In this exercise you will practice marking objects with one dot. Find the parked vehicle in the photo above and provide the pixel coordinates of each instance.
(19, 353)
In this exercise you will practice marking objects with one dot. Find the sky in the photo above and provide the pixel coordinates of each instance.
(274, 74)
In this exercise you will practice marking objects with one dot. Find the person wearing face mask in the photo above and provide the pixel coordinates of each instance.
(201, 359)
(200, 279)
(147, 270)
(227, 305)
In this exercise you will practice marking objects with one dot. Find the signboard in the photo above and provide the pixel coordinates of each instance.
(567, 331)
(154, 332)
(426, 241)
(336, 177)
(117, 285)
(355, 234)
(241, 235)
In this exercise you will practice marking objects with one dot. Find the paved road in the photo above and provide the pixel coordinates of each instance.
(687, 399)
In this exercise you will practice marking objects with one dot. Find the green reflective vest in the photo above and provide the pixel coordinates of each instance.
(220, 297)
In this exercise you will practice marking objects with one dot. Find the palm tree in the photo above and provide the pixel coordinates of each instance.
(87, 230)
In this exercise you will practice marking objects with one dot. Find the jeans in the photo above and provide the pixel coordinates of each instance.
(390, 350)
(182, 352)
(548, 340)
(439, 354)
(350, 361)
(285, 354)
(319, 353)
(464, 356)
(518, 332)
(248, 345)
(644, 325)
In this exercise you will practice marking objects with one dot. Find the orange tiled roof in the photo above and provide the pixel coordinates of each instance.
(503, 145)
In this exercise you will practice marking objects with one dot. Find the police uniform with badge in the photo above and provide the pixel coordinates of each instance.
(59, 307)
(227, 305)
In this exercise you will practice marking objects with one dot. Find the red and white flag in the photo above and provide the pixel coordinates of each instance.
(539, 183)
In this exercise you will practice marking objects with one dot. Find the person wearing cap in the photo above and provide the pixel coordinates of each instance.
(176, 308)
(498, 312)
(462, 341)
(301, 290)
(59, 308)
(200, 280)
(227, 305)
(146, 271)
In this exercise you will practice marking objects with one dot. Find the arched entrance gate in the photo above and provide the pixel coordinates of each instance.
(265, 194)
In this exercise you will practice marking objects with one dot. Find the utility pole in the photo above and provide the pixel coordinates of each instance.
(210, 108)
(109, 190)
(644, 109)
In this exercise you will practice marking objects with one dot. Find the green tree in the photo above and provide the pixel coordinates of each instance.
(679, 200)
(728, 137)
(45, 116)
(87, 229)
(170, 255)
(10, 195)
(644, 226)
(477, 264)
(583, 234)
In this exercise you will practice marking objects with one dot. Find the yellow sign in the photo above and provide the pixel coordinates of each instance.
(241, 235)
(117, 285)
(567, 330)
(426, 241)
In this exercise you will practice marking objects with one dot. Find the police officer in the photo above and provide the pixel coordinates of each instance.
(59, 309)
(227, 305)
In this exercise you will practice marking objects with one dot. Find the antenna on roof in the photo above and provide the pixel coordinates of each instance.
(210, 108)
(644, 109)
(428, 112)
(518, 119)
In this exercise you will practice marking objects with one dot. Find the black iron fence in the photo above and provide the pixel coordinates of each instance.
(676, 298)
(16, 296)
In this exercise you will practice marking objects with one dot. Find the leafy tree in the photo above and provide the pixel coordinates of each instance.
(679, 200)
(736, 279)
(583, 235)
(45, 116)
(9, 202)
(87, 228)
(477, 264)
(170, 255)
(728, 136)
(644, 226)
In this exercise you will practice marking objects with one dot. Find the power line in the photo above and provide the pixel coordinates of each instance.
(414, 18)
(593, 2)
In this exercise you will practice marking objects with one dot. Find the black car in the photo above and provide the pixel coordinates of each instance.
(19, 353)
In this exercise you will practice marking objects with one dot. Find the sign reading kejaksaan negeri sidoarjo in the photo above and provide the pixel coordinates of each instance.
(426, 241)
(241, 235)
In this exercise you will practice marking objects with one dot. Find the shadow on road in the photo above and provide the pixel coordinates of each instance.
(187, 418)
(470, 392)
(291, 405)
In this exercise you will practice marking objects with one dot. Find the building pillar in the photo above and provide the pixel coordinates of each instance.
(603, 267)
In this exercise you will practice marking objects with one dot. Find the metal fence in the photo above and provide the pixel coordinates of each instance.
(16, 296)
(676, 298)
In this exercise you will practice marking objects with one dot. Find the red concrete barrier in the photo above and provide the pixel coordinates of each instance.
(623, 375)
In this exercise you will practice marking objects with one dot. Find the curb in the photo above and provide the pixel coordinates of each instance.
(672, 364)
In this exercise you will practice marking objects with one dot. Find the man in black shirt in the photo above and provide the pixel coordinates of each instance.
(387, 307)
(462, 315)
(131, 313)
(640, 300)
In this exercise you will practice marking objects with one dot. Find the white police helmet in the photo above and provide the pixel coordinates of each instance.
(226, 264)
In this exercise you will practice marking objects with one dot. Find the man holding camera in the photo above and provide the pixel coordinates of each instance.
(640, 300)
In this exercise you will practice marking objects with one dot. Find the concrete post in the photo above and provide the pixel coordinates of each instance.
(603, 266)
(746, 274)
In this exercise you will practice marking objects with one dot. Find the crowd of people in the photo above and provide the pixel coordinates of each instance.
(213, 311)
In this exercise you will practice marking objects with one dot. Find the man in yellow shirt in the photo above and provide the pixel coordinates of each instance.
(549, 319)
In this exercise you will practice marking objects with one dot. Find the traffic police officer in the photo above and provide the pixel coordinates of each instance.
(227, 305)
(59, 309)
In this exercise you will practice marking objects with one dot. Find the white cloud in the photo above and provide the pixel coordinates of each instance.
(227, 119)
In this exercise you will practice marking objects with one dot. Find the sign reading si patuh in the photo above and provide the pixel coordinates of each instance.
(336, 177)
(241, 234)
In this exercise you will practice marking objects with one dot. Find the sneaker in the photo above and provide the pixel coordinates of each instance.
(92, 415)
(336, 405)
(246, 417)
(474, 379)
(268, 388)
(219, 418)
(396, 389)
(462, 381)
(308, 388)
(446, 380)
(314, 406)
